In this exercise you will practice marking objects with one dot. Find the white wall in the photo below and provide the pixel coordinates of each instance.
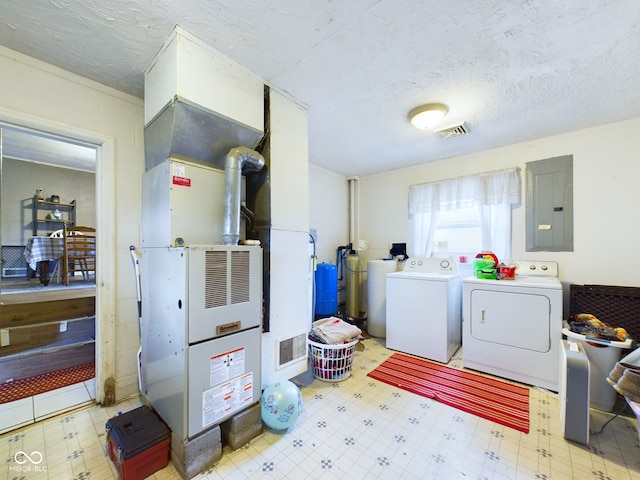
(606, 169)
(290, 265)
(328, 211)
(20, 179)
(43, 96)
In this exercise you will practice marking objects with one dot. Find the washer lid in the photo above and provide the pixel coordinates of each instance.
(432, 277)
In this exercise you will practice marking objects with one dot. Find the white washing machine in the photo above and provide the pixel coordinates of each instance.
(513, 328)
(424, 303)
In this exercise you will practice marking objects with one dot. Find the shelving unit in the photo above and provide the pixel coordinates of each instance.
(41, 208)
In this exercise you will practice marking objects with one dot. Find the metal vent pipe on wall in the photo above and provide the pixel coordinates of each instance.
(239, 160)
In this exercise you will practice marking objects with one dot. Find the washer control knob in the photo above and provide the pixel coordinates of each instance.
(444, 264)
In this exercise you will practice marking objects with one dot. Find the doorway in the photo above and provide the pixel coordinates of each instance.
(66, 340)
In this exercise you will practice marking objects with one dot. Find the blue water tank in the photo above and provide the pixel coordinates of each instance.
(326, 289)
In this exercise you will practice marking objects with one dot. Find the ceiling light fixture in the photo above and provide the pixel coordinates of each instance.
(427, 116)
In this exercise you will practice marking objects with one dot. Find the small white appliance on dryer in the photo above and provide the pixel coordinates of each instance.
(424, 303)
(513, 328)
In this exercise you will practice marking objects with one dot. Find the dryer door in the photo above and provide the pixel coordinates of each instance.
(520, 320)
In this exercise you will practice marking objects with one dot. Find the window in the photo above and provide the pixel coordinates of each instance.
(458, 233)
(450, 216)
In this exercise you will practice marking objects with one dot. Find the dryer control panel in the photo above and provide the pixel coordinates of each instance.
(527, 268)
(431, 265)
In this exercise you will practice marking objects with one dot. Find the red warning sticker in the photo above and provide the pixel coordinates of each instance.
(185, 182)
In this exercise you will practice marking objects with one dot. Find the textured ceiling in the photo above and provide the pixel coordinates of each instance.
(513, 70)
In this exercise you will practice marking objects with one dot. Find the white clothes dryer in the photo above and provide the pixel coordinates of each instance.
(513, 328)
(424, 308)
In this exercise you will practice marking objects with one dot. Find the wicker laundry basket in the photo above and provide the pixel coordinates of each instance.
(331, 363)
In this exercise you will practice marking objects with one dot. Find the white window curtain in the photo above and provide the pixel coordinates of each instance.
(493, 193)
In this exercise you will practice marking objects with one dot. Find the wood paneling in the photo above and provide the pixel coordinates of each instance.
(34, 294)
(24, 340)
(23, 314)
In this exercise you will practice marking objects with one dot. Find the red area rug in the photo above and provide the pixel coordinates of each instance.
(27, 387)
(485, 397)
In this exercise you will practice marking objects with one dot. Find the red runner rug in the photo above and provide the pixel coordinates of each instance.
(485, 397)
(27, 387)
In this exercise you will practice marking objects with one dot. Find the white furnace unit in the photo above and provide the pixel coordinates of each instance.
(201, 333)
(201, 320)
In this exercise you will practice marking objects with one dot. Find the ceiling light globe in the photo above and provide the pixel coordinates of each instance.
(427, 116)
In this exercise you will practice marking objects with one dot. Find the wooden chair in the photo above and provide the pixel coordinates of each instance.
(79, 252)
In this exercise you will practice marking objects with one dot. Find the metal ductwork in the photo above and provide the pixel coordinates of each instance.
(187, 131)
(239, 160)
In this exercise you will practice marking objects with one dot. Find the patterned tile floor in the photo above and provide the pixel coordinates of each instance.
(355, 429)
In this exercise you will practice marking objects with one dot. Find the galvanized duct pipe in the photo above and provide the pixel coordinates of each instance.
(237, 161)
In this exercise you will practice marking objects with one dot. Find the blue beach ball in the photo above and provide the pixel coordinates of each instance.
(281, 405)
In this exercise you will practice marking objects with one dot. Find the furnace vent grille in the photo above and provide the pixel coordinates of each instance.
(455, 131)
(227, 278)
(292, 350)
(240, 276)
(215, 290)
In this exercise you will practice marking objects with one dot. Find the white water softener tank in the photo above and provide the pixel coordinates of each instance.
(377, 295)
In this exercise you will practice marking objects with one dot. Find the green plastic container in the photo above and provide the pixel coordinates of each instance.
(485, 269)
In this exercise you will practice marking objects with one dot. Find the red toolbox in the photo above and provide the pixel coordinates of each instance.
(138, 443)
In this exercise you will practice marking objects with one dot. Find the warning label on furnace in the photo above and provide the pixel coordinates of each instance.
(226, 366)
(225, 399)
(185, 182)
(179, 175)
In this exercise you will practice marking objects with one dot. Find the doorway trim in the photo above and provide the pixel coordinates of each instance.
(105, 243)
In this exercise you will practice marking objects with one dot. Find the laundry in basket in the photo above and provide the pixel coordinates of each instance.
(332, 343)
(331, 363)
(334, 331)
